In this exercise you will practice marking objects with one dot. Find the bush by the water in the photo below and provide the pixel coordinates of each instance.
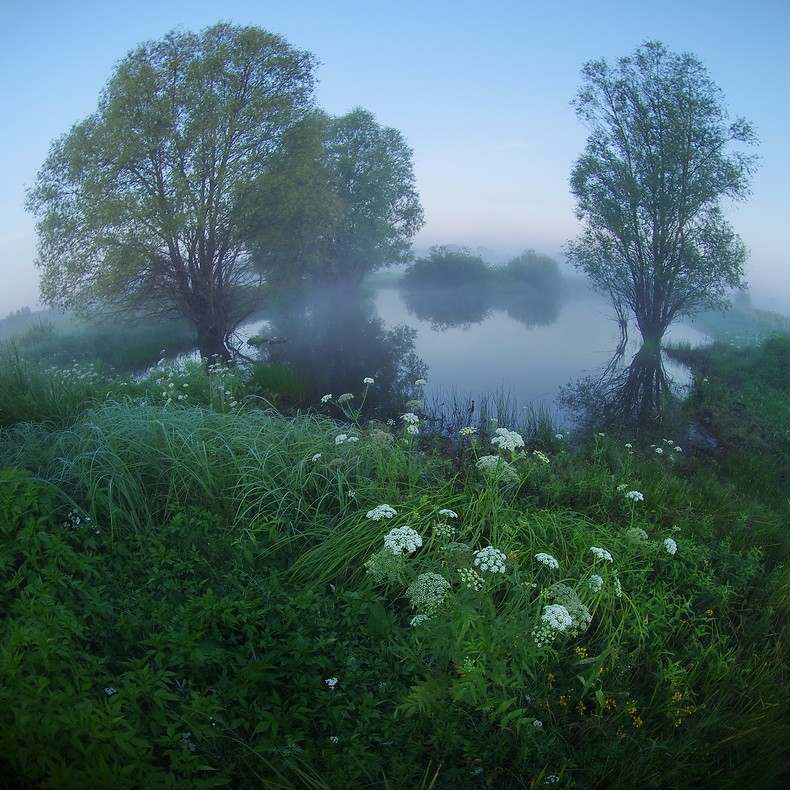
(203, 593)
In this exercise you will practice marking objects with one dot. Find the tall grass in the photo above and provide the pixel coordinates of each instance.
(201, 595)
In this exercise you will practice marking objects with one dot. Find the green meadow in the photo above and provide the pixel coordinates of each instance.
(210, 583)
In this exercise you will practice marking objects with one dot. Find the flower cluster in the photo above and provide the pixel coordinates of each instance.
(670, 546)
(344, 438)
(567, 598)
(547, 560)
(556, 616)
(543, 635)
(494, 465)
(595, 583)
(471, 579)
(368, 380)
(427, 592)
(507, 440)
(331, 682)
(445, 511)
(490, 559)
(402, 539)
(540, 456)
(467, 432)
(381, 511)
(417, 619)
(601, 554)
(345, 398)
(412, 422)
(444, 531)
(636, 536)
(635, 496)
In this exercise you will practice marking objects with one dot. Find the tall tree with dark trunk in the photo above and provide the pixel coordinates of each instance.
(650, 184)
(145, 206)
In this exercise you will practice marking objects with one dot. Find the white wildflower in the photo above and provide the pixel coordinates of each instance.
(345, 398)
(507, 440)
(445, 511)
(326, 398)
(381, 511)
(402, 539)
(368, 380)
(595, 583)
(315, 457)
(417, 619)
(547, 560)
(410, 418)
(670, 546)
(109, 691)
(490, 559)
(540, 456)
(471, 579)
(413, 430)
(557, 617)
(659, 450)
(340, 438)
(331, 682)
(537, 723)
(420, 383)
(427, 592)
(635, 496)
(678, 449)
(559, 436)
(601, 554)
(469, 431)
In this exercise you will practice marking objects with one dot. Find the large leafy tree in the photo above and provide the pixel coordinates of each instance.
(373, 178)
(650, 186)
(345, 202)
(146, 206)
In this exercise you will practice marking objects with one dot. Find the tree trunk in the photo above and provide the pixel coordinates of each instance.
(211, 343)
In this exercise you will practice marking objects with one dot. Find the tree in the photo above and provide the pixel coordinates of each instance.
(381, 211)
(650, 184)
(345, 201)
(146, 205)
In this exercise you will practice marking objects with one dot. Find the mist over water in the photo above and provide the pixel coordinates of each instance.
(466, 345)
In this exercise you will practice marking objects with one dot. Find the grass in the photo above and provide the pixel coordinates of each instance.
(186, 568)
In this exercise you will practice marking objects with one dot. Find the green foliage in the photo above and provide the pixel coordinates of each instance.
(446, 266)
(201, 596)
(147, 204)
(650, 183)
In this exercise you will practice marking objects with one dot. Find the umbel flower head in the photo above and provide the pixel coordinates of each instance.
(547, 560)
(402, 539)
(490, 559)
(507, 440)
(381, 511)
(427, 592)
(556, 616)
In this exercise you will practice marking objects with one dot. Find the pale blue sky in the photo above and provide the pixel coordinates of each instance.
(481, 91)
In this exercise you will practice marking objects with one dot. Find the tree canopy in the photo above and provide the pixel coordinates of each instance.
(342, 201)
(146, 205)
(650, 184)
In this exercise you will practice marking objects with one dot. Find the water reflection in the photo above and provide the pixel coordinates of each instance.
(625, 396)
(332, 338)
(460, 306)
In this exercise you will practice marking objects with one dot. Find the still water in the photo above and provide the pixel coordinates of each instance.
(335, 338)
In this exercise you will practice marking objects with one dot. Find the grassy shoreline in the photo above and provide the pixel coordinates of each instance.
(201, 592)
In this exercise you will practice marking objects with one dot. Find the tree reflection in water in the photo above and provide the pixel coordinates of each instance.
(332, 339)
(460, 306)
(631, 396)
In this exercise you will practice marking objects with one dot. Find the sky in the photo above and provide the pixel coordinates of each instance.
(480, 91)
